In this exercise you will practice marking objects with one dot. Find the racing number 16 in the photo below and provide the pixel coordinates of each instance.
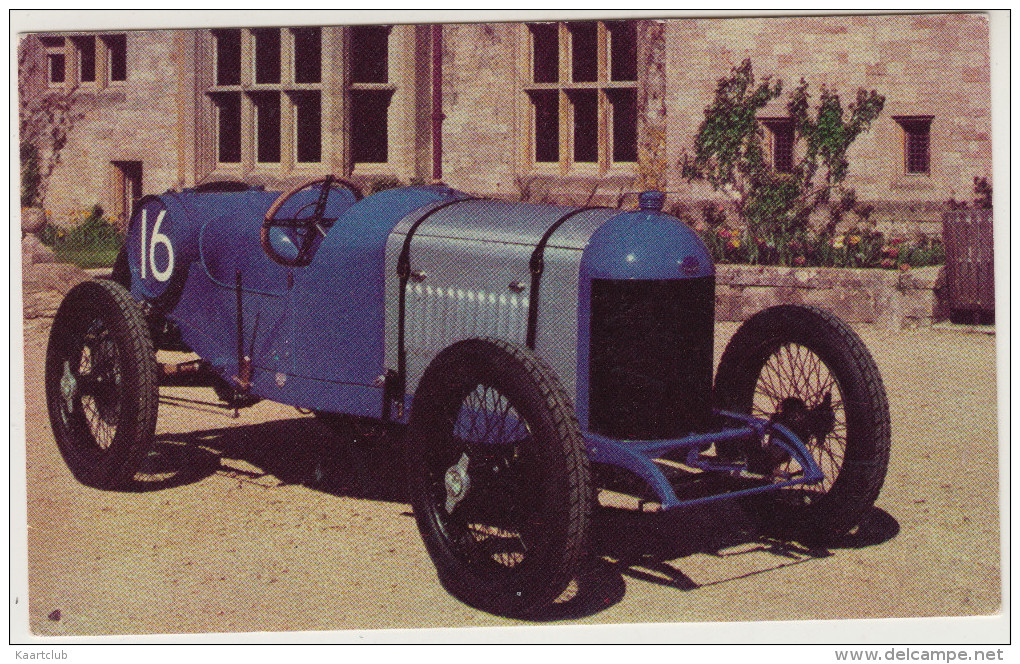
(148, 253)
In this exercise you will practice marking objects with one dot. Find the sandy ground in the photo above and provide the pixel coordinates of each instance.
(273, 526)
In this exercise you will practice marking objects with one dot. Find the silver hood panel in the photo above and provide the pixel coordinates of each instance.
(470, 277)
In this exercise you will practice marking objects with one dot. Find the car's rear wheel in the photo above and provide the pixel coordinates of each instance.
(808, 370)
(101, 384)
(499, 479)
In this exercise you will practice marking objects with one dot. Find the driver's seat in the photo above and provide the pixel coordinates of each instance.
(296, 224)
(283, 245)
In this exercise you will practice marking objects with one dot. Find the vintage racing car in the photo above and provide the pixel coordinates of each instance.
(519, 347)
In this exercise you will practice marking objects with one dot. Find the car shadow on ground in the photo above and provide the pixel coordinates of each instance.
(655, 547)
(301, 451)
(364, 462)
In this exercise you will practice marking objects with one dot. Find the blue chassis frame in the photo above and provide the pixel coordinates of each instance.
(637, 456)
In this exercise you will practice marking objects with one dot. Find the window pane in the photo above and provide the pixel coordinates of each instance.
(546, 52)
(586, 127)
(584, 51)
(369, 134)
(623, 50)
(267, 124)
(624, 124)
(308, 107)
(782, 147)
(228, 57)
(228, 127)
(307, 55)
(117, 46)
(917, 148)
(916, 143)
(56, 64)
(86, 47)
(267, 55)
(370, 53)
(547, 125)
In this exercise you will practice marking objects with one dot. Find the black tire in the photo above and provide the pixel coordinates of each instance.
(165, 335)
(780, 364)
(121, 273)
(101, 384)
(513, 540)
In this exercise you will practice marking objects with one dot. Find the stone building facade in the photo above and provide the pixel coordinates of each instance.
(568, 111)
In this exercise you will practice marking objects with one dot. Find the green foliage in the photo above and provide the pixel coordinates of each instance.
(31, 176)
(729, 152)
(46, 118)
(93, 242)
(982, 197)
(728, 147)
(983, 194)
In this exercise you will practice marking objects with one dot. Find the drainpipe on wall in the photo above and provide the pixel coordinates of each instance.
(437, 102)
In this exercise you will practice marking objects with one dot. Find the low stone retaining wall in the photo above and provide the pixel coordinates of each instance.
(886, 298)
(879, 297)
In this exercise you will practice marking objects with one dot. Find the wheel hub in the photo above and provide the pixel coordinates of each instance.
(457, 482)
(805, 422)
(817, 421)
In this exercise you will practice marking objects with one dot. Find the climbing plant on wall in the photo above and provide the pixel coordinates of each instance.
(46, 117)
(729, 151)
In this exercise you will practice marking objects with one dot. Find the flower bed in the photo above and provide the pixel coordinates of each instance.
(856, 248)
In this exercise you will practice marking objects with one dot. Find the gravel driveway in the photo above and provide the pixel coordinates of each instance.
(268, 523)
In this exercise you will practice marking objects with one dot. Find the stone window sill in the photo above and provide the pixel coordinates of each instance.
(913, 183)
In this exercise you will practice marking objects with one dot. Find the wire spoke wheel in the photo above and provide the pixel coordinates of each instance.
(101, 384)
(96, 375)
(480, 481)
(807, 370)
(499, 480)
(797, 389)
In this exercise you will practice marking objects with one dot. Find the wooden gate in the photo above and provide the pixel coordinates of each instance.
(970, 274)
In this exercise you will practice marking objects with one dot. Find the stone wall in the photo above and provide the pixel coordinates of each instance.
(132, 121)
(934, 65)
(886, 298)
(479, 88)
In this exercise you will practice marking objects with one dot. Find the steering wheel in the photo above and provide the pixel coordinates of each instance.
(303, 228)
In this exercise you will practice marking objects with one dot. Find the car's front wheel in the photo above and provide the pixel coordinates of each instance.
(499, 479)
(807, 370)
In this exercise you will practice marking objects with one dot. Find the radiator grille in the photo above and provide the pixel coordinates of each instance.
(650, 372)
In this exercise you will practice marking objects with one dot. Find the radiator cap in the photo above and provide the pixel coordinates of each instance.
(651, 200)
